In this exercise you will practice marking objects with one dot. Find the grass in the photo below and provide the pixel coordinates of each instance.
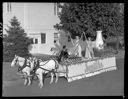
(8, 72)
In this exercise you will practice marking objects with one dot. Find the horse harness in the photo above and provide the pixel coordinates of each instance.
(36, 66)
(25, 65)
(53, 70)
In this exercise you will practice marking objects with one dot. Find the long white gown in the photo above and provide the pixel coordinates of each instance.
(88, 50)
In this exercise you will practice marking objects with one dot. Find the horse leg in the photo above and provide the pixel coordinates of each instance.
(52, 75)
(42, 80)
(29, 81)
(56, 77)
(39, 80)
(26, 80)
(40, 77)
(38, 74)
(32, 78)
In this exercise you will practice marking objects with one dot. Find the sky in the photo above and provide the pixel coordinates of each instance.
(34, 17)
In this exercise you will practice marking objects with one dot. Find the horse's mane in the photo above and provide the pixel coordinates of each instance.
(58, 58)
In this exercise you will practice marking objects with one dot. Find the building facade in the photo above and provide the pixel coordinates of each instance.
(38, 20)
(43, 42)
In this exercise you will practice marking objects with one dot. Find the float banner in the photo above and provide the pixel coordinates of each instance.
(90, 68)
(93, 66)
(99, 66)
(76, 70)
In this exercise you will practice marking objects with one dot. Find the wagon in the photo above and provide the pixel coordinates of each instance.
(75, 68)
(90, 67)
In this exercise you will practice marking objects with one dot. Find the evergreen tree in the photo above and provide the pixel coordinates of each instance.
(15, 41)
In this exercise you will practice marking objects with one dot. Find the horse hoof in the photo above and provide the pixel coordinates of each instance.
(29, 84)
(25, 84)
(41, 87)
(56, 81)
(50, 82)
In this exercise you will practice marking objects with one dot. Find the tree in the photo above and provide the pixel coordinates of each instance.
(15, 41)
(90, 17)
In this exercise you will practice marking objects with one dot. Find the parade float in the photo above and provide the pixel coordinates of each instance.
(78, 67)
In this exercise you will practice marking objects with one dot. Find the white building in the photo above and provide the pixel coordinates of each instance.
(42, 42)
(38, 20)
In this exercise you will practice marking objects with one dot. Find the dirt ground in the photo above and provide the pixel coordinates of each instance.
(105, 84)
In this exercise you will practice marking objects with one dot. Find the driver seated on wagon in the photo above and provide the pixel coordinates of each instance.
(63, 54)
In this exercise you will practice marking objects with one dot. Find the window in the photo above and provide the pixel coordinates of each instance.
(56, 36)
(43, 38)
(36, 41)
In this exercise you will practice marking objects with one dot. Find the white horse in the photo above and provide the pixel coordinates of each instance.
(45, 67)
(26, 68)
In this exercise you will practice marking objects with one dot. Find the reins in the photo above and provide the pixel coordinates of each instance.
(52, 70)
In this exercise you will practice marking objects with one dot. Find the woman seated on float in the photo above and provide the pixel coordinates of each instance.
(63, 54)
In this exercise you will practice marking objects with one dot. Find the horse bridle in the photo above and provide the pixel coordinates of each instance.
(19, 67)
(16, 60)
